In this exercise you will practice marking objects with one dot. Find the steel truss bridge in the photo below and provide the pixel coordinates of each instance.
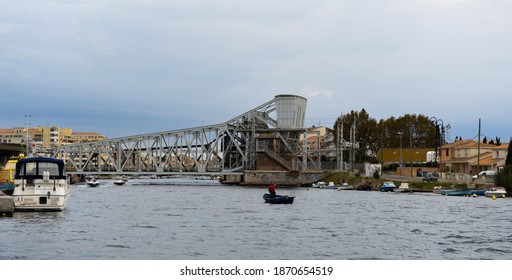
(228, 148)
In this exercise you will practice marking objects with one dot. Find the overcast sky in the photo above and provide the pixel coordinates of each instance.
(129, 67)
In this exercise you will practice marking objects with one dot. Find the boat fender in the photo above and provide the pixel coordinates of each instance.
(48, 195)
(494, 197)
(46, 176)
(474, 195)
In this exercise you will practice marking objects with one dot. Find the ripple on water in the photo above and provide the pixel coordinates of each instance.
(232, 222)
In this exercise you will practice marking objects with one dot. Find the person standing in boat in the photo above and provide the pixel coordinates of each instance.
(272, 190)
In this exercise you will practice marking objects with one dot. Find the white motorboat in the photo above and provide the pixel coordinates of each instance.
(91, 181)
(345, 186)
(40, 184)
(495, 192)
(119, 182)
(319, 185)
(403, 188)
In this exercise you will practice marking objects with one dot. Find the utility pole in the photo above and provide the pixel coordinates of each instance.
(339, 154)
(478, 146)
(352, 145)
(410, 147)
(400, 135)
(27, 125)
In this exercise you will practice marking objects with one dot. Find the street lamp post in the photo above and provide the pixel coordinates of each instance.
(438, 142)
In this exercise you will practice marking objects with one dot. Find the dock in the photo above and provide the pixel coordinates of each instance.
(6, 205)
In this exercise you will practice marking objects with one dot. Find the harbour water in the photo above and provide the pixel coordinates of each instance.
(184, 219)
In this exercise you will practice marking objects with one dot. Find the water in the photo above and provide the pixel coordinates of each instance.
(178, 219)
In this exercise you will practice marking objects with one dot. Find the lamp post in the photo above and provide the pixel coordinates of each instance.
(438, 142)
(27, 124)
(400, 135)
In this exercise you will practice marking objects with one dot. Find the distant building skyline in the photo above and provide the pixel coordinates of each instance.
(46, 137)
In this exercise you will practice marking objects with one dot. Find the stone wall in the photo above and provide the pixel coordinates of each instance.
(253, 177)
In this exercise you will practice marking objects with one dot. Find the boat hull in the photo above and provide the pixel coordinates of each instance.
(7, 188)
(456, 192)
(387, 189)
(278, 199)
(495, 193)
(478, 192)
(7, 175)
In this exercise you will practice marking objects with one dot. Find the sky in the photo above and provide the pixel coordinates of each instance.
(128, 67)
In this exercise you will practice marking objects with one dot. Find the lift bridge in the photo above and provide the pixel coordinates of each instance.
(273, 129)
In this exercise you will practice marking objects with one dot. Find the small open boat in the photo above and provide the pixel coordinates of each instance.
(456, 192)
(278, 199)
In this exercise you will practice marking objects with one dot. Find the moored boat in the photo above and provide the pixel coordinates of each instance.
(278, 199)
(40, 184)
(388, 187)
(478, 192)
(403, 188)
(456, 192)
(319, 185)
(345, 186)
(437, 189)
(495, 192)
(7, 175)
(331, 186)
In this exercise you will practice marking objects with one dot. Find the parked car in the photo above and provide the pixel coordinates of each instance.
(485, 173)
(431, 177)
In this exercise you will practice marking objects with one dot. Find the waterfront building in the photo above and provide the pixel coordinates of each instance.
(43, 138)
(470, 157)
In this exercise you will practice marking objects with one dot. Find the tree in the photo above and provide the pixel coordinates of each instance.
(504, 176)
(373, 135)
(508, 160)
(365, 132)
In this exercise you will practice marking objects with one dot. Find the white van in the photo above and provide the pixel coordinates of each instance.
(485, 173)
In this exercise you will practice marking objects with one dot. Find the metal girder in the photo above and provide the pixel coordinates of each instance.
(227, 148)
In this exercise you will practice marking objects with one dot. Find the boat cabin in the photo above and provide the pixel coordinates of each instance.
(40, 168)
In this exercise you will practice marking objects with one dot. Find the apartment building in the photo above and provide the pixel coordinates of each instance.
(46, 137)
(470, 157)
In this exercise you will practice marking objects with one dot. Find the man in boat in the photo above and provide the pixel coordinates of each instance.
(272, 190)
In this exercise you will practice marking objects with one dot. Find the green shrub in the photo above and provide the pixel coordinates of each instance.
(504, 178)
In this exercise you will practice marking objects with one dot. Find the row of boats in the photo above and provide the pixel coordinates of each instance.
(390, 186)
(92, 182)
